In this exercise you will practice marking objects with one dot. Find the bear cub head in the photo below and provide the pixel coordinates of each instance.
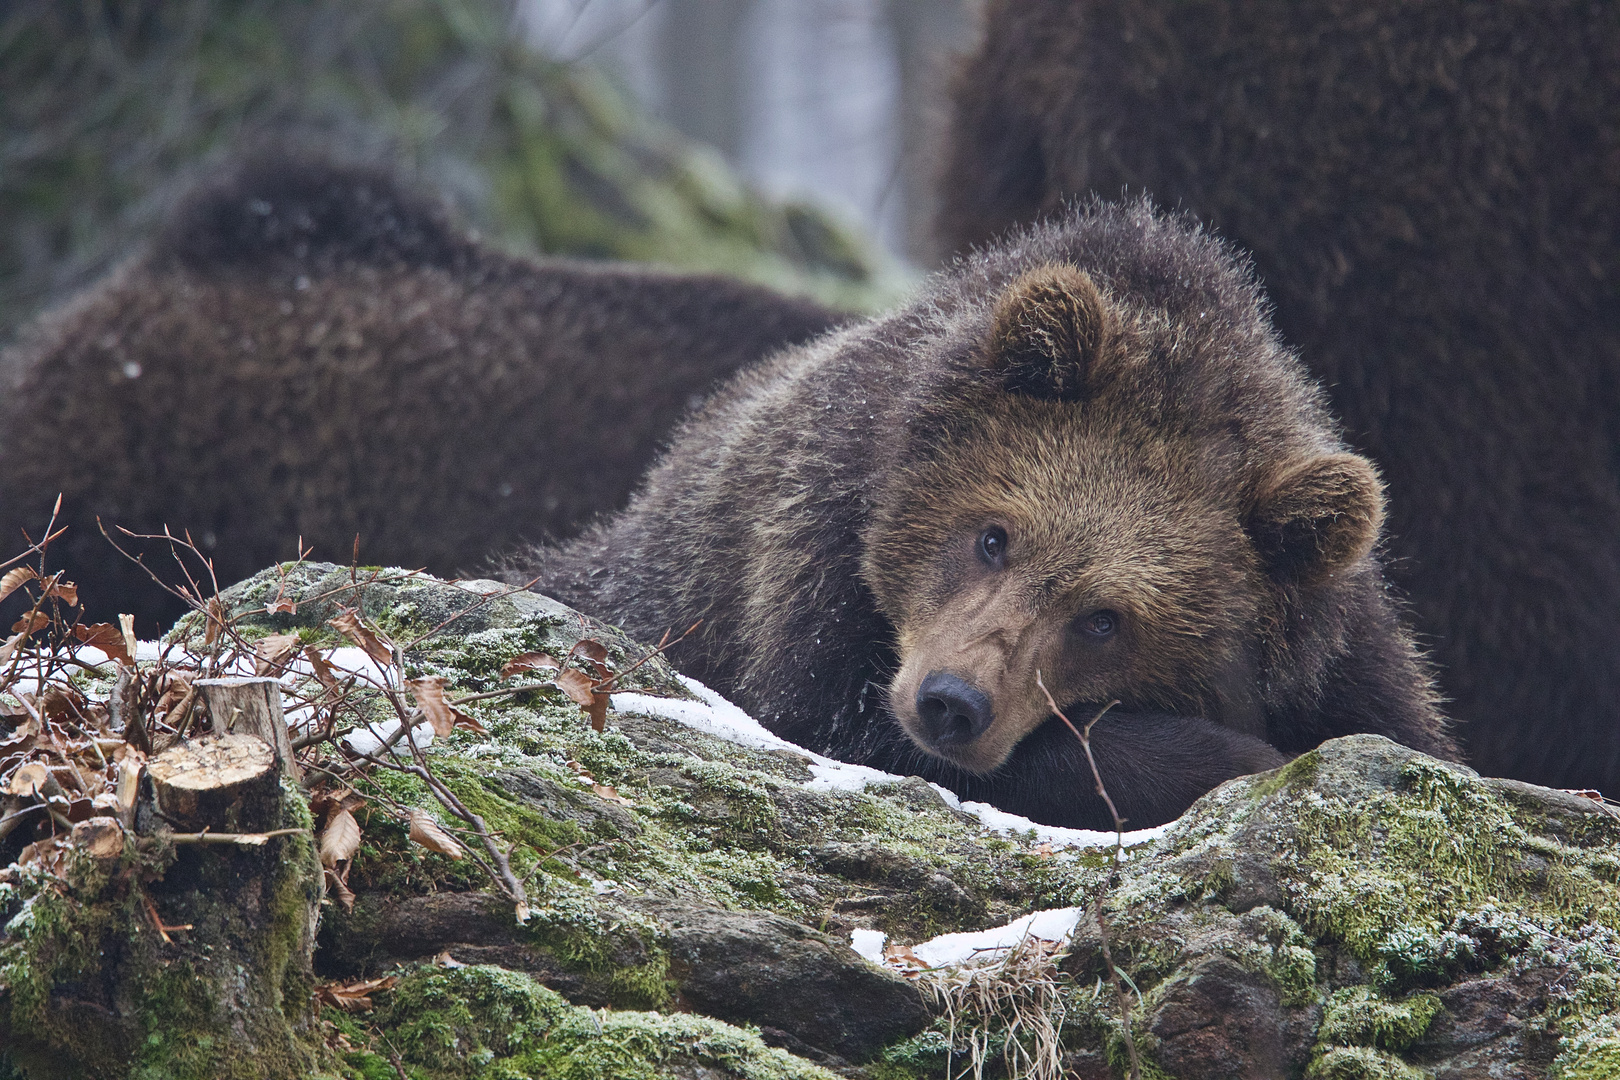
(1082, 516)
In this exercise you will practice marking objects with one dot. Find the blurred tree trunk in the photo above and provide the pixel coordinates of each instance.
(701, 65)
(928, 35)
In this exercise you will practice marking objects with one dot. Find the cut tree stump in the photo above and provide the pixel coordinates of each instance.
(250, 706)
(226, 783)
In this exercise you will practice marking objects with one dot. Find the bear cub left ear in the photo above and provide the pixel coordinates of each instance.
(1318, 516)
(1049, 334)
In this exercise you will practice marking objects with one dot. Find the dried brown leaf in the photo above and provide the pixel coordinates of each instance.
(611, 794)
(281, 606)
(317, 664)
(902, 956)
(355, 996)
(49, 853)
(577, 685)
(375, 645)
(28, 624)
(591, 649)
(429, 694)
(23, 737)
(529, 661)
(270, 655)
(9, 646)
(65, 591)
(59, 702)
(106, 637)
(340, 839)
(598, 710)
(431, 835)
(339, 888)
(15, 579)
(216, 621)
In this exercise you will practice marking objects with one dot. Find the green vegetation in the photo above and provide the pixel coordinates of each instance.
(109, 109)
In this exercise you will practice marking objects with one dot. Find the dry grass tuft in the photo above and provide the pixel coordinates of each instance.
(1018, 996)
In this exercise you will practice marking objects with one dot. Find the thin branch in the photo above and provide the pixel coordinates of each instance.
(1114, 973)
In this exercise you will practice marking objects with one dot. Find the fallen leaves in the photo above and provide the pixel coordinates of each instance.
(588, 691)
(271, 654)
(340, 839)
(443, 716)
(31, 623)
(379, 648)
(901, 958)
(353, 996)
(108, 638)
(529, 661)
(16, 579)
(431, 835)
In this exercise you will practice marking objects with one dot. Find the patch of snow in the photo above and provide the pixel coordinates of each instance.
(869, 943)
(1001, 821)
(948, 950)
(370, 740)
(714, 715)
(842, 776)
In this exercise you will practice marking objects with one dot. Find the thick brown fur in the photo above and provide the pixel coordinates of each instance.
(1431, 193)
(1107, 394)
(311, 351)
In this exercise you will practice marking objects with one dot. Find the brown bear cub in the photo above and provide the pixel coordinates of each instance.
(311, 351)
(1081, 459)
(1431, 196)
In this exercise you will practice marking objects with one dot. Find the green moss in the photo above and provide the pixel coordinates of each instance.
(389, 861)
(1299, 773)
(1387, 876)
(1360, 1016)
(485, 1022)
(625, 949)
(1275, 946)
(180, 1010)
(52, 938)
(922, 1056)
(1360, 1063)
(1592, 1054)
(453, 1021)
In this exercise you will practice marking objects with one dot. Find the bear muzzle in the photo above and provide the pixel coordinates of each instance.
(951, 712)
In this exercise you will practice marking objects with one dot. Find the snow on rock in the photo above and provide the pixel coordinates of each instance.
(949, 950)
(869, 943)
(714, 715)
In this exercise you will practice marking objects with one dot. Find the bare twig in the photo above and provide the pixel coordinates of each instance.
(1115, 975)
(663, 643)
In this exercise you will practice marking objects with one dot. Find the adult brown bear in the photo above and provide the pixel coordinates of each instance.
(1083, 454)
(312, 351)
(1431, 193)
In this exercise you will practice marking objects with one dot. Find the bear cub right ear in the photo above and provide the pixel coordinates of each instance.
(1318, 516)
(1048, 334)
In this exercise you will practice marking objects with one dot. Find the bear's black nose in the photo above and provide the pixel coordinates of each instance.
(953, 712)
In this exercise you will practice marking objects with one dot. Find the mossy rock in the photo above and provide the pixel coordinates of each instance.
(1362, 912)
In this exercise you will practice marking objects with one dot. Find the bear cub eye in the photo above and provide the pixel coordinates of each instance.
(1098, 625)
(993, 546)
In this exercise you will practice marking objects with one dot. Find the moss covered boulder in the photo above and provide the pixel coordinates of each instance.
(693, 888)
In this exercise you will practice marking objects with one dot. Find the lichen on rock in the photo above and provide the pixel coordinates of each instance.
(1363, 912)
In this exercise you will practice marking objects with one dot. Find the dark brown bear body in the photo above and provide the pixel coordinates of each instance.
(1431, 193)
(1083, 455)
(309, 352)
